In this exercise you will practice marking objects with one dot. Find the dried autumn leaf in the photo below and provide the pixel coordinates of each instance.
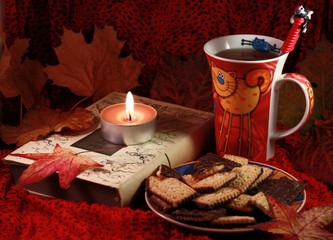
(38, 123)
(307, 225)
(185, 82)
(314, 152)
(94, 69)
(80, 119)
(62, 160)
(19, 75)
(7, 86)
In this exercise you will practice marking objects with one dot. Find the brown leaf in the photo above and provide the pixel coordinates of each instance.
(63, 161)
(185, 82)
(307, 225)
(314, 153)
(7, 86)
(94, 69)
(80, 119)
(19, 75)
(38, 123)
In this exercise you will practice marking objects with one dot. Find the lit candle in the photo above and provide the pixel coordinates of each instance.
(128, 123)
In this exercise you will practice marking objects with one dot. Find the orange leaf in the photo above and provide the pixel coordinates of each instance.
(38, 123)
(184, 82)
(94, 69)
(63, 161)
(7, 86)
(307, 225)
(20, 75)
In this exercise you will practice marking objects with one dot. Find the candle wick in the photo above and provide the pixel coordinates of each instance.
(129, 117)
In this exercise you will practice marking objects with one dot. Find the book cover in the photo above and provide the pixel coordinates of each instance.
(182, 135)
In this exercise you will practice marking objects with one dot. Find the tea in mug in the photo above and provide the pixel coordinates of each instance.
(246, 54)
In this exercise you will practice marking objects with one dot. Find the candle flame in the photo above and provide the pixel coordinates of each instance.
(129, 106)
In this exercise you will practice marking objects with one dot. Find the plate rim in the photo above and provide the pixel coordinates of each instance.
(219, 230)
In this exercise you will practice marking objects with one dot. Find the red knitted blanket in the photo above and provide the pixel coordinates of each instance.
(150, 29)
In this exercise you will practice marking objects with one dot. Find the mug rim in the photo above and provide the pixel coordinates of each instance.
(209, 42)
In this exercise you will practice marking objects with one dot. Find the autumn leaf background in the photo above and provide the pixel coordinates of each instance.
(87, 70)
(94, 69)
(19, 75)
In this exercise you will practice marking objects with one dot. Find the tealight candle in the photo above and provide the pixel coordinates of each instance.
(128, 123)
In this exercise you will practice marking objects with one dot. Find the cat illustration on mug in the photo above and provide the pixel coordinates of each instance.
(238, 97)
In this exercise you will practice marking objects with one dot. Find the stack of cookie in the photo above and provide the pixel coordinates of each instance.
(218, 191)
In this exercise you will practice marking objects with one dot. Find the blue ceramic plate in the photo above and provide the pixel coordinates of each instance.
(187, 169)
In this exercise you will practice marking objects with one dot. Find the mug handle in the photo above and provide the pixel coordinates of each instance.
(305, 85)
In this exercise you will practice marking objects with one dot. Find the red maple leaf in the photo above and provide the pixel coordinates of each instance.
(64, 161)
(307, 225)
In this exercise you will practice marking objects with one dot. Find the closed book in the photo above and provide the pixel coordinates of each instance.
(182, 135)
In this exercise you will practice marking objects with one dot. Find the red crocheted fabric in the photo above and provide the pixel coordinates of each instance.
(151, 28)
(26, 216)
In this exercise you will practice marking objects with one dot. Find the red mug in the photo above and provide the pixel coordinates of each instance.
(247, 75)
